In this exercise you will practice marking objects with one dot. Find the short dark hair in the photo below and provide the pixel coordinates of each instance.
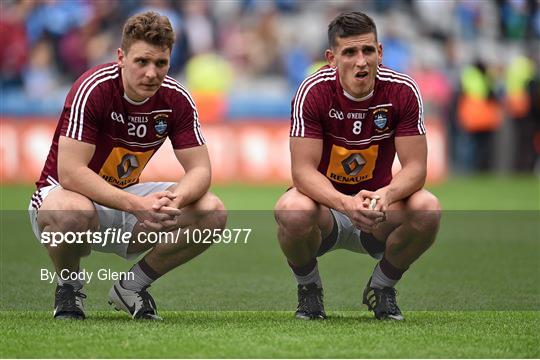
(350, 23)
(150, 27)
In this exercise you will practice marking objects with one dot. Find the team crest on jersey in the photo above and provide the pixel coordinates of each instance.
(160, 124)
(380, 118)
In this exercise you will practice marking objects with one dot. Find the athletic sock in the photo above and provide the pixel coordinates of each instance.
(143, 275)
(307, 274)
(77, 284)
(385, 275)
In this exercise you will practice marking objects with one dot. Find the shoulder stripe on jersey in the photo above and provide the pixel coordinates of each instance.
(307, 84)
(171, 83)
(299, 92)
(420, 123)
(300, 109)
(196, 125)
(393, 76)
(79, 135)
(75, 106)
(365, 141)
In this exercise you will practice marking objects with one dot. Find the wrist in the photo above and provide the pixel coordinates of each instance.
(388, 194)
(178, 201)
(344, 202)
(131, 203)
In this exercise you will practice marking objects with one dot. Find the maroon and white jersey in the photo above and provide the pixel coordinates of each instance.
(358, 134)
(126, 133)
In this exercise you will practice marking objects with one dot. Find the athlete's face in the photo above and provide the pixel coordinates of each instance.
(356, 58)
(144, 66)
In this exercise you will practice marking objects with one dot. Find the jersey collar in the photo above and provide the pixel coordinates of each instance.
(134, 102)
(350, 97)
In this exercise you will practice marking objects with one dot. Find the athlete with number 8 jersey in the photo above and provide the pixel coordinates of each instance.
(357, 133)
(348, 121)
(115, 118)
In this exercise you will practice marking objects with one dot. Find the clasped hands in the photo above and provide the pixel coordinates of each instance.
(367, 209)
(159, 211)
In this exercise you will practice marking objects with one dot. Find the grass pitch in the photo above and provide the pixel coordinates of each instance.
(476, 293)
(274, 335)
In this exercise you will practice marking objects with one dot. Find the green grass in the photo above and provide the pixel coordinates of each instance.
(274, 334)
(476, 293)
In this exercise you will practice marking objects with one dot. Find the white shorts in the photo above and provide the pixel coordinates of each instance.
(348, 236)
(108, 218)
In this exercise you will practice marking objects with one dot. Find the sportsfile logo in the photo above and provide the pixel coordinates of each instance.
(117, 236)
(336, 114)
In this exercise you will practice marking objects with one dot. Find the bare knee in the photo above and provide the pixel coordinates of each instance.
(425, 212)
(296, 214)
(76, 214)
(215, 213)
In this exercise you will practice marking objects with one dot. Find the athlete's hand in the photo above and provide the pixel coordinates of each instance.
(160, 218)
(358, 210)
(383, 202)
(167, 205)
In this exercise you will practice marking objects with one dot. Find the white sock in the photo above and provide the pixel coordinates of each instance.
(379, 280)
(312, 277)
(140, 279)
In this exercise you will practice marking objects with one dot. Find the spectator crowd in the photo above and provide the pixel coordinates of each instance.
(476, 62)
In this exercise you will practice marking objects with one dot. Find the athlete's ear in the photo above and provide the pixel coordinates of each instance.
(329, 54)
(380, 54)
(120, 54)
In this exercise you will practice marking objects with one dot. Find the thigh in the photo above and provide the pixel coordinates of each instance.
(58, 204)
(297, 208)
(401, 210)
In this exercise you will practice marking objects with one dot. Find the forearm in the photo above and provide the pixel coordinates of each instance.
(193, 185)
(86, 182)
(316, 186)
(407, 181)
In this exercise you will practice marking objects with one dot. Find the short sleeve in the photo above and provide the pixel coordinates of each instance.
(187, 129)
(411, 113)
(305, 119)
(81, 113)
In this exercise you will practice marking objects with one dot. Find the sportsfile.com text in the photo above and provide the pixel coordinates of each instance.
(117, 236)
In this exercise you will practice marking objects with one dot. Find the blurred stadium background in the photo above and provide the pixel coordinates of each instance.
(476, 63)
